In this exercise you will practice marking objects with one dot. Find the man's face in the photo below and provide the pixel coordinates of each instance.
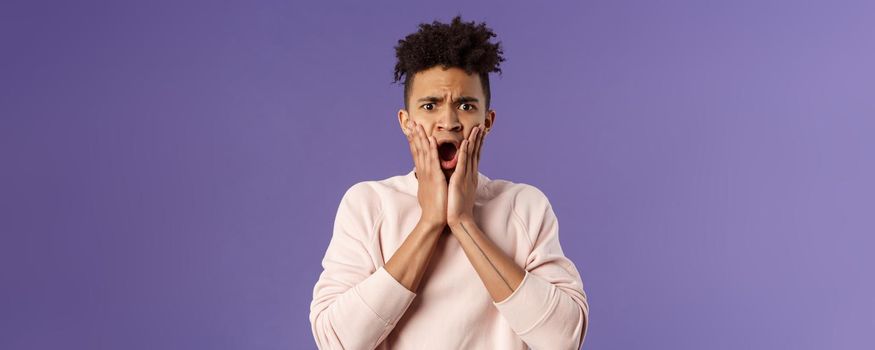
(448, 104)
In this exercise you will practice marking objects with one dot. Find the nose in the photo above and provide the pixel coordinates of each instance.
(449, 121)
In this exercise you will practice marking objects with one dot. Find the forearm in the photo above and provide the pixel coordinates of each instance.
(499, 273)
(409, 262)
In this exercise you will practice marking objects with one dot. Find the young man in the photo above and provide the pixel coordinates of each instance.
(445, 257)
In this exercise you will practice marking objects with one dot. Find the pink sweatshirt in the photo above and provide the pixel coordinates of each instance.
(357, 304)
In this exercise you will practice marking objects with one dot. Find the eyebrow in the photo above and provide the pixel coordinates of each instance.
(461, 99)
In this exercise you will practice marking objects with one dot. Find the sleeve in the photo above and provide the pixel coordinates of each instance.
(355, 305)
(549, 309)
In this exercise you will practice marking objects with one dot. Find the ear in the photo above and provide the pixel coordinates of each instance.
(490, 120)
(403, 117)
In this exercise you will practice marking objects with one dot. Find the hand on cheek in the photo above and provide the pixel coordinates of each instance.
(462, 190)
(432, 186)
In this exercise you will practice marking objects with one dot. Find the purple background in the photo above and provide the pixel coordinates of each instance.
(170, 172)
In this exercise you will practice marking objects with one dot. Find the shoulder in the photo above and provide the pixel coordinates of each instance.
(359, 211)
(529, 206)
(361, 191)
(529, 195)
(527, 202)
(523, 197)
(368, 196)
(376, 192)
(361, 200)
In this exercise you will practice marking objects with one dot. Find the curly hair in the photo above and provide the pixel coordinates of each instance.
(458, 44)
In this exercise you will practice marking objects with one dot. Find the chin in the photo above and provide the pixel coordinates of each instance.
(448, 172)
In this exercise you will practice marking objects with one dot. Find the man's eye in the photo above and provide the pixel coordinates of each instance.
(428, 104)
(469, 105)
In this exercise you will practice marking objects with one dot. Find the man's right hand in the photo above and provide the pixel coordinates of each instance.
(432, 193)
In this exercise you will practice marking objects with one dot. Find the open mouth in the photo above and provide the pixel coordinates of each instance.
(447, 152)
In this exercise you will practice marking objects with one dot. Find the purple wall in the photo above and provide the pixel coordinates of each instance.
(169, 172)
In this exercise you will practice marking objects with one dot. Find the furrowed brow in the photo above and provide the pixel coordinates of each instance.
(461, 99)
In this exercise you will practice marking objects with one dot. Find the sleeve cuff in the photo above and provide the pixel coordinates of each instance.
(385, 296)
(529, 304)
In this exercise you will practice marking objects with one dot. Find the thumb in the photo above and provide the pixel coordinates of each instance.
(461, 163)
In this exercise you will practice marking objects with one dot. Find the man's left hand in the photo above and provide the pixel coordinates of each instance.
(463, 183)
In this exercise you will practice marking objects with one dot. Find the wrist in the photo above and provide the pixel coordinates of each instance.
(461, 219)
(431, 225)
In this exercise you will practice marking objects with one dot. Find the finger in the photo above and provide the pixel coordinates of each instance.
(474, 147)
(417, 148)
(425, 148)
(432, 152)
(408, 134)
(411, 142)
(463, 158)
(406, 128)
(472, 142)
(476, 160)
(422, 143)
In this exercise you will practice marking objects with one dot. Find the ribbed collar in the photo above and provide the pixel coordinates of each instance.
(411, 183)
